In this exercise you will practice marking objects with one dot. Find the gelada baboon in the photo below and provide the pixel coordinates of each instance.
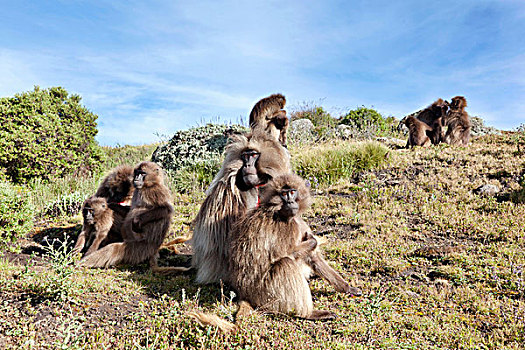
(272, 251)
(457, 120)
(417, 132)
(98, 219)
(433, 116)
(250, 161)
(145, 226)
(268, 116)
(114, 192)
(117, 186)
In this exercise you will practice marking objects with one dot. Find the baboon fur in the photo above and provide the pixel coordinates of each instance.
(458, 122)
(117, 186)
(268, 116)
(269, 253)
(433, 116)
(146, 225)
(228, 199)
(417, 132)
(98, 220)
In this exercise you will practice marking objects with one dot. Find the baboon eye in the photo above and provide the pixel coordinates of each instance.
(292, 192)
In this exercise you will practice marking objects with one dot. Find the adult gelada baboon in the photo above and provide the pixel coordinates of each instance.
(273, 250)
(98, 220)
(250, 161)
(457, 120)
(268, 116)
(417, 132)
(145, 226)
(433, 116)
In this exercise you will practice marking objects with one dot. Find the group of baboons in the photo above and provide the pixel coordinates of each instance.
(248, 232)
(442, 121)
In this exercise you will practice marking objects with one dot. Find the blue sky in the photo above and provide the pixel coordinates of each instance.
(154, 67)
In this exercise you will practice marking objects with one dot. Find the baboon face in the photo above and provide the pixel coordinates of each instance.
(249, 170)
(146, 174)
(139, 176)
(92, 208)
(290, 207)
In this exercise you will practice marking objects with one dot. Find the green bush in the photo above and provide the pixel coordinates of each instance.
(322, 120)
(368, 120)
(47, 133)
(16, 213)
(328, 164)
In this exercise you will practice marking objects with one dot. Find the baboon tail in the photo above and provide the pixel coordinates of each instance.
(166, 271)
(110, 255)
(205, 319)
(171, 244)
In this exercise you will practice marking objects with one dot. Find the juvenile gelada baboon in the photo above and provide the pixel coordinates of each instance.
(272, 251)
(104, 212)
(250, 161)
(98, 219)
(417, 132)
(458, 122)
(146, 225)
(268, 116)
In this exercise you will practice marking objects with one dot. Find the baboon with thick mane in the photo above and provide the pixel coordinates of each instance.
(250, 161)
(458, 122)
(272, 250)
(146, 225)
(98, 220)
(268, 116)
(417, 132)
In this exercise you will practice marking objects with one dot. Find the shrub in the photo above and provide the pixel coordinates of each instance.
(368, 121)
(327, 164)
(193, 157)
(47, 133)
(16, 213)
(322, 120)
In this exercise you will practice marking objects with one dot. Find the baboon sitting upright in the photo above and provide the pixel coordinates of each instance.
(146, 225)
(457, 120)
(106, 209)
(268, 116)
(417, 132)
(250, 161)
(272, 250)
(98, 219)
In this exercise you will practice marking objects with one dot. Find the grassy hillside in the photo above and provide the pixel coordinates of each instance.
(440, 266)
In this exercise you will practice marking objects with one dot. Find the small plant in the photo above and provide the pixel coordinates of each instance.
(59, 283)
(195, 177)
(16, 214)
(67, 205)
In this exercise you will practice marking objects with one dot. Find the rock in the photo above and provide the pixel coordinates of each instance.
(301, 131)
(203, 144)
(344, 131)
(488, 190)
(302, 126)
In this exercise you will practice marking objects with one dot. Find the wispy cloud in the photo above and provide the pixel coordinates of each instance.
(159, 66)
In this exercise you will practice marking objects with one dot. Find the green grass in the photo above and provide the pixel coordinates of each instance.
(440, 267)
(328, 164)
